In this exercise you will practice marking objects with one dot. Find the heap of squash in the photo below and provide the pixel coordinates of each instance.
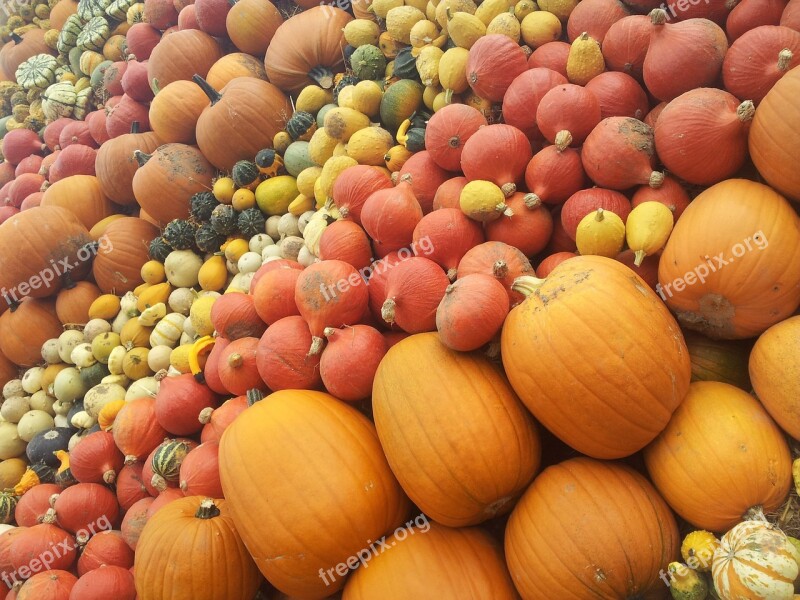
(434, 299)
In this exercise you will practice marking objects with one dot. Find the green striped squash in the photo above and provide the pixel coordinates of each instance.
(92, 8)
(301, 126)
(167, 461)
(245, 173)
(69, 34)
(8, 502)
(59, 100)
(38, 71)
(94, 34)
(118, 9)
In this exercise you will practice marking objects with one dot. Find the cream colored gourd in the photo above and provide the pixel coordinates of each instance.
(11, 445)
(180, 300)
(341, 123)
(13, 408)
(601, 233)
(153, 314)
(167, 331)
(82, 356)
(68, 385)
(115, 359)
(647, 229)
(31, 381)
(33, 422)
(104, 344)
(67, 342)
(100, 395)
(428, 66)
(144, 387)
(182, 268)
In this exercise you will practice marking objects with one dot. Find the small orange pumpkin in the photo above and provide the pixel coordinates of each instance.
(230, 66)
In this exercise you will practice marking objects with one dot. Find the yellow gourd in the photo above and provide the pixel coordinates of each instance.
(601, 233)
(273, 195)
(302, 204)
(234, 249)
(320, 146)
(381, 8)
(361, 32)
(441, 100)
(213, 274)
(539, 28)
(312, 98)
(134, 364)
(560, 8)
(104, 307)
(223, 189)
(685, 583)
(243, 199)
(153, 295)
(345, 98)
(698, 549)
(281, 141)
(489, 9)
(585, 60)
(179, 358)
(647, 229)
(153, 272)
(331, 170)
(400, 20)
(453, 6)
(465, 29)
(108, 413)
(103, 344)
(306, 179)
(389, 46)
(341, 123)
(396, 157)
(523, 8)
(200, 315)
(428, 65)
(429, 95)
(366, 98)
(134, 335)
(505, 24)
(369, 145)
(423, 33)
(483, 201)
(453, 71)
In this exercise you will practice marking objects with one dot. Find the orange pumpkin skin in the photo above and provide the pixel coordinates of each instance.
(293, 54)
(252, 24)
(180, 55)
(720, 421)
(735, 281)
(72, 304)
(44, 237)
(231, 66)
(81, 194)
(773, 148)
(174, 112)
(775, 373)
(320, 440)
(115, 165)
(432, 561)
(241, 120)
(13, 54)
(456, 484)
(8, 370)
(619, 533)
(640, 367)
(25, 328)
(53, 585)
(164, 184)
(200, 537)
(118, 264)
(719, 360)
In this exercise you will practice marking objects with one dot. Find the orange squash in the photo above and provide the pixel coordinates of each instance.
(118, 264)
(596, 357)
(174, 112)
(589, 529)
(230, 66)
(81, 194)
(25, 327)
(307, 444)
(428, 560)
(457, 397)
(180, 55)
(72, 304)
(775, 373)
(252, 24)
(212, 562)
(773, 147)
(115, 165)
(734, 281)
(720, 456)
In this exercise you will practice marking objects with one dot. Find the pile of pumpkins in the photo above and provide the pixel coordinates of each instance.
(506, 293)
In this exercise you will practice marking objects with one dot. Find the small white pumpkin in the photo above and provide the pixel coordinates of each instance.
(32, 422)
(61, 408)
(75, 439)
(120, 379)
(83, 420)
(68, 385)
(167, 331)
(32, 380)
(152, 314)
(249, 262)
(41, 400)
(158, 357)
(100, 395)
(271, 227)
(13, 408)
(50, 351)
(12, 388)
(11, 445)
(94, 328)
(260, 241)
(288, 225)
(82, 356)
(119, 321)
(115, 360)
(61, 421)
(67, 342)
(127, 305)
(182, 268)
(181, 299)
(305, 257)
(270, 252)
(146, 387)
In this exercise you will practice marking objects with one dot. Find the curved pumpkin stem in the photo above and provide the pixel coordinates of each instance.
(323, 76)
(387, 310)
(135, 127)
(746, 111)
(784, 59)
(68, 282)
(658, 16)
(526, 284)
(17, 39)
(207, 509)
(212, 94)
(141, 157)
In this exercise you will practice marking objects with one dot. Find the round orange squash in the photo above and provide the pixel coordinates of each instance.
(734, 281)
(251, 25)
(455, 434)
(428, 560)
(719, 360)
(596, 357)
(720, 456)
(191, 549)
(124, 249)
(236, 64)
(180, 55)
(774, 145)
(308, 487)
(775, 373)
(25, 327)
(589, 529)
(81, 194)
(174, 112)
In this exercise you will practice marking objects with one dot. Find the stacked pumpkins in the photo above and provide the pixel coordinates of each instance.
(424, 298)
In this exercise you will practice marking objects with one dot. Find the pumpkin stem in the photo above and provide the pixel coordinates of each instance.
(110, 476)
(448, 96)
(755, 513)
(656, 179)
(235, 360)
(658, 16)
(131, 458)
(784, 59)
(254, 396)
(452, 273)
(563, 140)
(207, 509)
(316, 345)
(387, 310)
(141, 157)
(639, 257)
(746, 111)
(500, 269)
(158, 482)
(526, 284)
(532, 201)
(323, 76)
(50, 516)
(212, 94)
(508, 190)
(52, 500)
(13, 303)
(328, 331)
(502, 207)
(205, 415)
(135, 127)
(17, 39)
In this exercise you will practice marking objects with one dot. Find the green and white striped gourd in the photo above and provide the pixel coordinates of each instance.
(59, 100)
(94, 34)
(92, 8)
(167, 462)
(38, 71)
(69, 34)
(118, 9)
(83, 103)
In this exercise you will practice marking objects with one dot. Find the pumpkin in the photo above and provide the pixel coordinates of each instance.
(167, 496)
(587, 201)
(749, 443)
(719, 360)
(252, 24)
(495, 60)
(18, 144)
(625, 45)
(37, 72)
(294, 59)
(500, 260)
(234, 316)
(448, 235)
(230, 66)
(273, 437)
(758, 59)
(109, 582)
(461, 327)
(522, 98)
(240, 121)
(75, 159)
(554, 174)
(454, 497)
(770, 149)
(179, 401)
(590, 502)
(237, 366)
(567, 114)
(418, 566)
(34, 503)
(199, 471)
(55, 584)
(117, 266)
(59, 100)
(346, 241)
(697, 290)
(447, 132)
(211, 15)
(134, 521)
(754, 559)
(349, 361)
(670, 193)
(72, 303)
(620, 95)
(29, 547)
(129, 484)
(85, 505)
(96, 459)
(671, 66)
(25, 328)
(94, 205)
(595, 17)
(141, 39)
(625, 430)
(773, 372)
(167, 180)
(707, 126)
(181, 55)
(165, 462)
(22, 186)
(425, 177)
(274, 298)
(116, 166)
(791, 15)
(196, 527)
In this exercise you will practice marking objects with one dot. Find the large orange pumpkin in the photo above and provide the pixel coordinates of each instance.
(115, 165)
(118, 264)
(720, 456)
(733, 281)
(167, 180)
(308, 487)
(455, 434)
(428, 560)
(25, 327)
(307, 49)
(231, 66)
(180, 55)
(252, 24)
(73, 302)
(589, 529)
(596, 356)
(774, 147)
(81, 194)
(174, 113)
(46, 241)
(190, 549)
(775, 373)
(241, 120)
(21, 48)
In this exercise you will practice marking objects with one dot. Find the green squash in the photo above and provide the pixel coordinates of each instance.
(59, 100)
(167, 461)
(405, 65)
(245, 173)
(96, 78)
(118, 9)
(301, 126)
(3, 129)
(38, 71)
(296, 158)
(94, 34)
(83, 103)
(75, 61)
(322, 112)
(69, 34)
(399, 102)
(415, 142)
(8, 502)
(92, 8)
(368, 62)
